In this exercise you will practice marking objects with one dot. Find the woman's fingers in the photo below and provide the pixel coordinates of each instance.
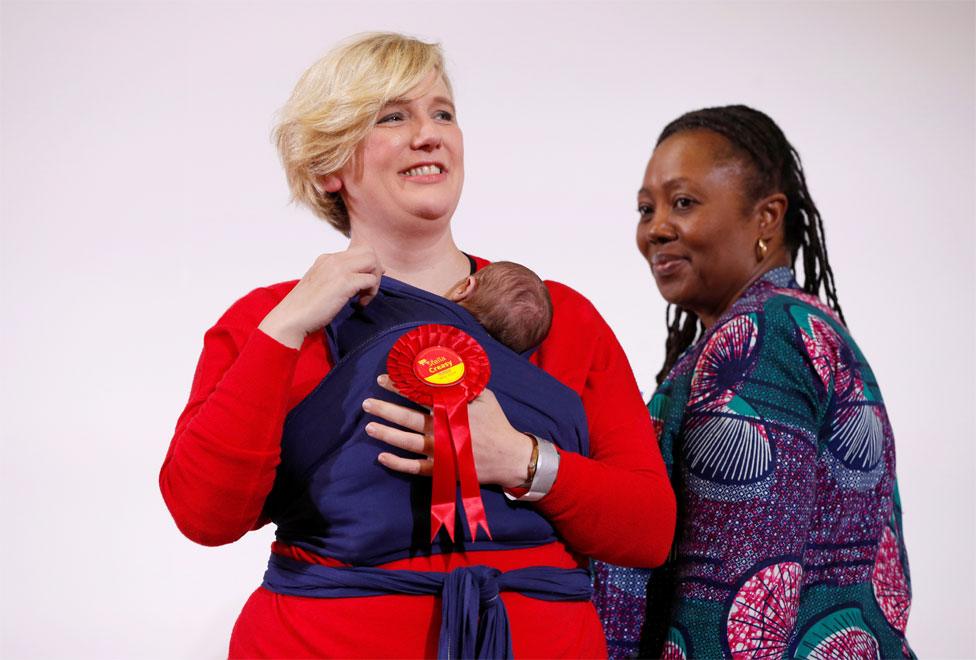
(422, 467)
(384, 381)
(364, 287)
(327, 286)
(368, 269)
(363, 259)
(419, 439)
(408, 418)
(418, 443)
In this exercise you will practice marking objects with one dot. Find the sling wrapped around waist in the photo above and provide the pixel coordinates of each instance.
(474, 623)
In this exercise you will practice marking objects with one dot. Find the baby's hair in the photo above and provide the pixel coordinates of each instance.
(513, 305)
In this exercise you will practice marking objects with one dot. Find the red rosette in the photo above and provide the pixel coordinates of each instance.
(444, 368)
(401, 363)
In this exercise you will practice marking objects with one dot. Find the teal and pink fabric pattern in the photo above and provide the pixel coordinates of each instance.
(789, 540)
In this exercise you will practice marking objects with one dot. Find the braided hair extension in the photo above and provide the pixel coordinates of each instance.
(683, 329)
(775, 167)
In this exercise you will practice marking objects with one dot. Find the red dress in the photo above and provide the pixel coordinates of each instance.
(615, 505)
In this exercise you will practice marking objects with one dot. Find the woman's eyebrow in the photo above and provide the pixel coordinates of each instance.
(677, 182)
(667, 185)
(437, 100)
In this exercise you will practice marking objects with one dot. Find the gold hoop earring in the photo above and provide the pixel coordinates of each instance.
(761, 249)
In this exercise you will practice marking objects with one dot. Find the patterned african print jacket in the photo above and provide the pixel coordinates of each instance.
(789, 539)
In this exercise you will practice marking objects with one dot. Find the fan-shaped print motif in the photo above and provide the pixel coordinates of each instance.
(725, 359)
(847, 644)
(831, 349)
(838, 635)
(825, 349)
(891, 589)
(728, 442)
(675, 648)
(763, 613)
(857, 435)
(809, 299)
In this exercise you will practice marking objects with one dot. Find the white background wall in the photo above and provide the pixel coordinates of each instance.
(141, 196)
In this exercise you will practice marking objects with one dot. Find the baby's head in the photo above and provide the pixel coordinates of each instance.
(510, 301)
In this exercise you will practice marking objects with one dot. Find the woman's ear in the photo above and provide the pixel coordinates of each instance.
(330, 183)
(771, 211)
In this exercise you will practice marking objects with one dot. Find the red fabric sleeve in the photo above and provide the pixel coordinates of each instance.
(616, 505)
(222, 459)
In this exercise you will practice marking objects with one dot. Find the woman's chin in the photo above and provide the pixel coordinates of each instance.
(421, 219)
(669, 289)
(434, 213)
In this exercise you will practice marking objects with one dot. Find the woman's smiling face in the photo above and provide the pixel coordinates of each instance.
(410, 167)
(698, 230)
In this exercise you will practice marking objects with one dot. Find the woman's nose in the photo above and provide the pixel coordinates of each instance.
(659, 229)
(427, 136)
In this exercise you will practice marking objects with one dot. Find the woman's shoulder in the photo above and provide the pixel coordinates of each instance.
(782, 312)
(568, 299)
(792, 333)
(775, 326)
(575, 319)
(579, 342)
(809, 326)
(784, 301)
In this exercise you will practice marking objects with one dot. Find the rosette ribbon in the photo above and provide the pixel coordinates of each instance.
(443, 368)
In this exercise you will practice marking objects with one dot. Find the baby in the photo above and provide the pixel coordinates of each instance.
(510, 301)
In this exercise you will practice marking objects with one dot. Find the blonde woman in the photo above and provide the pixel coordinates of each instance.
(288, 422)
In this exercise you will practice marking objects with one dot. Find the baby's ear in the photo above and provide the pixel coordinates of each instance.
(464, 288)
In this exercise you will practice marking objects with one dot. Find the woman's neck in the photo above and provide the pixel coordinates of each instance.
(708, 318)
(430, 261)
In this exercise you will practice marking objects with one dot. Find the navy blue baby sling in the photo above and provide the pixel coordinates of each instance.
(331, 496)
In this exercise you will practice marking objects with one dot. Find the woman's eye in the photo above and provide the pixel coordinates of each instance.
(444, 115)
(683, 203)
(645, 210)
(390, 118)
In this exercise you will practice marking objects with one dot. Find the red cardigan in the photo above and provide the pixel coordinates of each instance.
(616, 505)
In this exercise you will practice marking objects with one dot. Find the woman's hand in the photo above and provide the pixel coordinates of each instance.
(328, 285)
(501, 453)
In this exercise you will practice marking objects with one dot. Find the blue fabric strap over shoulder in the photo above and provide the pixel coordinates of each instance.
(474, 623)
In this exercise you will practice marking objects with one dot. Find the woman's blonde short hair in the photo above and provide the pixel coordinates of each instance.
(336, 103)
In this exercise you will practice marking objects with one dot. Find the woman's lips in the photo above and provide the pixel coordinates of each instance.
(664, 265)
(426, 178)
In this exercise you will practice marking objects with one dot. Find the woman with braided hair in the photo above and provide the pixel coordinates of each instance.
(789, 540)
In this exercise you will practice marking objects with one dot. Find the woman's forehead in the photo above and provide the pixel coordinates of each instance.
(700, 143)
(692, 157)
(433, 85)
